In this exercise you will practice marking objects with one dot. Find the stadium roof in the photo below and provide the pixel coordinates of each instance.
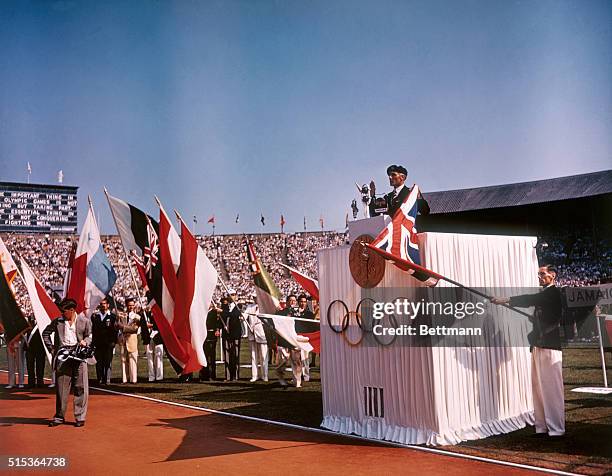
(516, 194)
(35, 186)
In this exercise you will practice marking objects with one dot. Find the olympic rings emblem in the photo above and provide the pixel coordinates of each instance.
(359, 320)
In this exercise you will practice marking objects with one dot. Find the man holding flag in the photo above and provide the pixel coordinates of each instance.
(12, 319)
(70, 330)
(397, 177)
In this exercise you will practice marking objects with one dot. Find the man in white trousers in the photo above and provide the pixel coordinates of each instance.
(129, 325)
(546, 356)
(257, 343)
(152, 342)
(15, 355)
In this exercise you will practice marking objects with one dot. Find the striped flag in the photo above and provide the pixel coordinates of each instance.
(132, 224)
(196, 283)
(92, 274)
(11, 317)
(281, 330)
(45, 310)
(268, 295)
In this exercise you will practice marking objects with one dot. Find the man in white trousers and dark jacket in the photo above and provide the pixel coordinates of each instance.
(546, 356)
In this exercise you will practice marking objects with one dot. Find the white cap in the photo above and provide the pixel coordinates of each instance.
(231, 291)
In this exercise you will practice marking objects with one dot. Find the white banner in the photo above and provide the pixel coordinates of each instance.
(587, 296)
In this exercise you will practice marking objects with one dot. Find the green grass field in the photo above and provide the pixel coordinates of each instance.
(587, 447)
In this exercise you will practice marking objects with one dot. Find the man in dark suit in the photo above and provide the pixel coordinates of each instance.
(213, 324)
(303, 310)
(104, 340)
(232, 333)
(397, 178)
(70, 330)
(291, 309)
(546, 356)
(35, 356)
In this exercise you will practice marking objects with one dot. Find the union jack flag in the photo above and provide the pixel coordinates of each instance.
(151, 251)
(398, 241)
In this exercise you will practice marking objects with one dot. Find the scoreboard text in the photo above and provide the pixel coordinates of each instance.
(37, 208)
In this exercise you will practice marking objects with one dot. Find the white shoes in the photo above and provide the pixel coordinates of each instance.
(8, 386)
(253, 380)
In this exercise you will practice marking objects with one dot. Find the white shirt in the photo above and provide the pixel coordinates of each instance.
(397, 190)
(70, 337)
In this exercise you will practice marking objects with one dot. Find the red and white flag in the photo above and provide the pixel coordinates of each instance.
(170, 256)
(163, 313)
(43, 306)
(310, 285)
(188, 282)
(197, 280)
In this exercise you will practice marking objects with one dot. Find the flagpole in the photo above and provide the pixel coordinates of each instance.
(125, 253)
(444, 278)
(230, 296)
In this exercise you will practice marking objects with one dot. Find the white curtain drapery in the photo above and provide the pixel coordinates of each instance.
(432, 395)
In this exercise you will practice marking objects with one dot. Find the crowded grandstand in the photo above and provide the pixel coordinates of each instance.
(569, 220)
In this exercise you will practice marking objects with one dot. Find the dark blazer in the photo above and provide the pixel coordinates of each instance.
(232, 320)
(57, 326)
(307, 314)
(104, 333)
(547, 316)
(145, 332)
(289, 311)
(212, 325)
(35, 344)
(393, 202)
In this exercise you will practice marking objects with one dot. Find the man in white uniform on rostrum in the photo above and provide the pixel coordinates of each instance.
(257, 343)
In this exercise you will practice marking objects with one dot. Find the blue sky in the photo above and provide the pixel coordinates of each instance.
(255, 106)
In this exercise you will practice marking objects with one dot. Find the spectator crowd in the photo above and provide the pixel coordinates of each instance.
(48, 256)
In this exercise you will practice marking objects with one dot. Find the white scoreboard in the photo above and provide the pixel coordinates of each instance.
(32, 208)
